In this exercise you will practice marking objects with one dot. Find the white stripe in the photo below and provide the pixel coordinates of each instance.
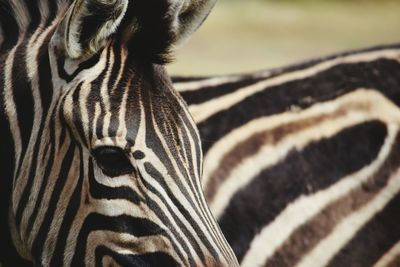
(123, 56)
(21, 15)
(215, 81)
(327, 249)
(122, 131)
(10, 107)
(97, 112)
(272, 237)
(104, 94)
(44, 10)
(82, 101)
(203, 111)
(390, 256)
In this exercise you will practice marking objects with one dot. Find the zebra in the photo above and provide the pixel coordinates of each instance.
(100, 159)
(302, 163)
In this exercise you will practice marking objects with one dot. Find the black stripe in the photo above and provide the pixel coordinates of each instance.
(373, 240)
(116, 66)
(34, 14)
(87, 64)
(52, 6)
(133, 111)
(23, 98)
(115, 106)
(210, 92)
(137, 227)
(178, 79)
(45, 83)
(274, 188)
(8, 254)
(156, 259)
(9, 26)
(382, 74)
(77, 114)
(99, 191)
(61, 121)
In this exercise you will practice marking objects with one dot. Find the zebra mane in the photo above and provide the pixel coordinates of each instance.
(148, 24)
(151, 29)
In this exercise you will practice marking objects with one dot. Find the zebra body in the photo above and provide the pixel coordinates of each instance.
(302, 164)
(101, 160)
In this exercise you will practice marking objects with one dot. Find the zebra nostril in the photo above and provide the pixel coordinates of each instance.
(138, 155)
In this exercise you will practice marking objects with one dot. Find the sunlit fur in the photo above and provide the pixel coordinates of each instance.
(59, 103)
(302, 163)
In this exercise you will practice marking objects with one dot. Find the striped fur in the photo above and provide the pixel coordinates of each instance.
(101, 160)
(302, 164)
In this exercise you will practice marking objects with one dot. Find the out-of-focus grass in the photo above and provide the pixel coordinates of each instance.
(250, 35)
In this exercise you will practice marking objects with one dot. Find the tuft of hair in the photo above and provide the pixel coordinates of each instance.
(149, 30)
(102, 19)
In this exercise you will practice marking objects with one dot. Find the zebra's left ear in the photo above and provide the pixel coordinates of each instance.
(189, 15)
(87, 25)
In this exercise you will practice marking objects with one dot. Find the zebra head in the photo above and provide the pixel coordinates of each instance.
(117, 161)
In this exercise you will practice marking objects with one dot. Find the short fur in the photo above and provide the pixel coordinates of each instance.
(302, 162)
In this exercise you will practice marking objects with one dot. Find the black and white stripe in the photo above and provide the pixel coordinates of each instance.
(302, 163)
(101, 160)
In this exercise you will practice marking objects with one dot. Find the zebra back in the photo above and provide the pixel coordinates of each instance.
(302, 163)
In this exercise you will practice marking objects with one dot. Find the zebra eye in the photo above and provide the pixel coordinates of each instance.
(112, 160)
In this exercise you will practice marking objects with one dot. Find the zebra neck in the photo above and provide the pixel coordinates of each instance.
(20, 18)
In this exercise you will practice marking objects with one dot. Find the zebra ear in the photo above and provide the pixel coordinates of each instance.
(189, 15)
(87, 25)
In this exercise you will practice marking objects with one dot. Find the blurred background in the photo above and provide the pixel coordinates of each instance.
(247, 35)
